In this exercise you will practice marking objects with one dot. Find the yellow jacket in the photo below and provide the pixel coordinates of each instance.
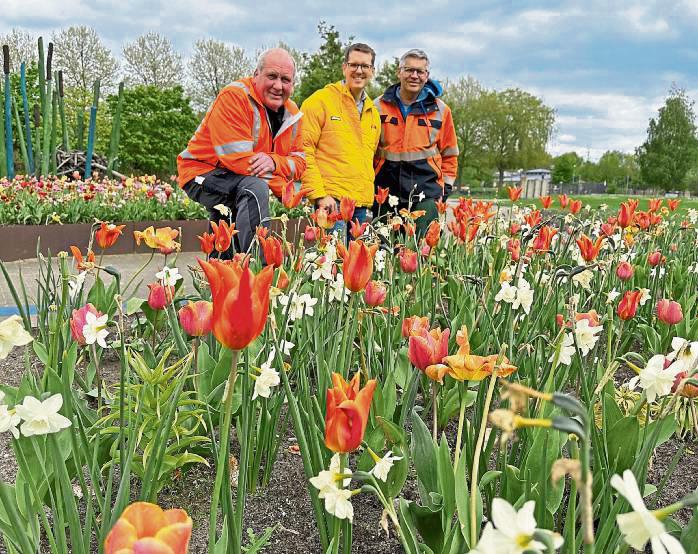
(339, 145)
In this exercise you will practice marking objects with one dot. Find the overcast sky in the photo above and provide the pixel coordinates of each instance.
(605, 66)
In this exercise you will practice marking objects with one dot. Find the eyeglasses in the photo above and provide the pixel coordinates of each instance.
(419, 72)
(362, 66)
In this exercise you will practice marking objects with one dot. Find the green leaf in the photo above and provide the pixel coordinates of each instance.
(622, 441)
(134, 305)
(424, 457)
(446, 480)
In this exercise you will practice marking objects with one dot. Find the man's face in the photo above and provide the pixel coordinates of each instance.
(358, 70)
(274, 82)
(413, 75)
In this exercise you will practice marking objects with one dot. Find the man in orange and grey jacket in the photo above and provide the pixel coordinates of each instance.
(417, 158)
(248, 143)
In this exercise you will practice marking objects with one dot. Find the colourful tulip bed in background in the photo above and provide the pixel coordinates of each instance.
(501, 384)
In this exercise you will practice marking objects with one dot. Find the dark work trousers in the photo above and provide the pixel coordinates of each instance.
(246, 196)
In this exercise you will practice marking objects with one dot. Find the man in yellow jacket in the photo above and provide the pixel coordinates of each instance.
(341, 129)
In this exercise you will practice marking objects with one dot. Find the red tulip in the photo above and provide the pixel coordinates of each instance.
(107, 235)
(544, 238)
(607, 229)
(77, 322)
(240, 301)
(413, 325)
(655, 204)
(408, 260)
(433, 234)
(514, 248)
(643, 221)
(428, 347)
(563, 200)
(514, 228)
(546, 201)
(145, 528)
(375, 293)
(627, 308)
(207, 243)
(673, 204)
(669, 312)
(534, 218)
(589, 249)
(358, 264)
(196, 318)
(357, 229)
(624, 271)
(346, 208)
(382, 195)
(159, 296)
(514, 193)
(655, 258)
(626, 214)
(273, 251)
(346, 413)
(575, 206)
(310, 233)
(223, 235)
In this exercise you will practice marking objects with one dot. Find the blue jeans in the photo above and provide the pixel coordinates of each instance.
(341, 226)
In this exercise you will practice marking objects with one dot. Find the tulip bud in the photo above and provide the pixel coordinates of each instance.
(624, 271)
(655, 258)
(159, 296)
(196, 318)
(375, 293)
(669, 312)
(310, 233)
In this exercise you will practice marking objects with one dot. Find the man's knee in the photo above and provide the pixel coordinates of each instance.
(257, 187)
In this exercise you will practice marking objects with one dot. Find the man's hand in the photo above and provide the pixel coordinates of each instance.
(327, 203)
(260, 164)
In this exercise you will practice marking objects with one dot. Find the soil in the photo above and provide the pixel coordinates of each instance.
(285, 502)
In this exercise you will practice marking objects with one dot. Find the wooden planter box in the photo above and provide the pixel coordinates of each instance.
(18, 242)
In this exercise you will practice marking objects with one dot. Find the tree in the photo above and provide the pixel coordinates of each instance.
(213, 66)
(151, 60)
(385, 76)
(617, 169)
(671, 146)
(324, 66)
(79, 52)
(23, 48)
(566, 167)
(516, 129)
(156, 125)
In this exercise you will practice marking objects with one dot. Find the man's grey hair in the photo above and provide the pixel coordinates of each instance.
(414, 53)
(261, 60)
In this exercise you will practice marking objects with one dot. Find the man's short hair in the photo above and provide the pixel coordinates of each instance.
(360, 47)
(414, 53)
(261, 60)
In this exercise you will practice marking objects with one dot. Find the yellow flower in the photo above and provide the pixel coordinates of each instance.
(12, 333)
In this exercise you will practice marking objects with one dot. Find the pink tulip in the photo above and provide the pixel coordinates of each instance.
(669, 312)
(77, 322)
(624, 271)
(196, 318)
(375, 293)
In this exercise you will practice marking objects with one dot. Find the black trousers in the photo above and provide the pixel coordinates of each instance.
(247, 198)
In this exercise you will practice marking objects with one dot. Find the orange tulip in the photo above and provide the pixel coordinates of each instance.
(347, 413)
(357, 229)
(148, 529)
(161, 239)
(546, 201)
(514, 248)
(534, 218)
(655, 204)
(591, 316)
(81, 263)
(514, 193)
(464, 366)
(428, 347)
(408, 260)
(358, 264)
(207, 242)
(627, 307)
(240, 301)
(282, 281)
(673, 204)
(642, 220)
(223, 235)
(346, 208)
(588, 248)
(273, 251)
(433, 234)
(414, 325)
(196, 318)
(563, 200)
(441, 206)
(290, 198)
(106, 235)
(382, 195)
(544, 238)
(575, 206)
(626, 214)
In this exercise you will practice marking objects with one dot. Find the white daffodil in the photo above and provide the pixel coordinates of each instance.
(286, 347)
(654, 379)
(300, 305)
(421, 196)
(268, 377)
(12, 333)
(641, 525)
(684, 354)
(328, 479)
(583, 279)
(338, 292)
(8, 418)
(586, 335)
(95, 329)
(41, 418)
(223, 209)
(379, 261)
(75, 284)
(611, 296)
(524, 296)
(644, 296)
(168, 276)
(692, 215)
(336, 499)
(566, 351)
(384, 465)
(322, 269)
(657, 271)
(506, 294)
(338, 504)
(393, 201)
(512, 532)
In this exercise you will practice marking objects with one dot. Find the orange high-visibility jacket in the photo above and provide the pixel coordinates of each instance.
(236, 127)
(417, 153)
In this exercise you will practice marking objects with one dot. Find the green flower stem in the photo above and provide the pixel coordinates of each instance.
(459, 436)
(223, 451)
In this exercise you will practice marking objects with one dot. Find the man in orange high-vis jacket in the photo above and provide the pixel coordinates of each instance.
(417, 157)
(248, 143)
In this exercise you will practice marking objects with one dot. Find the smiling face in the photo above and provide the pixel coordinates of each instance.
(274, 81)
(358, 70)
(413, 75)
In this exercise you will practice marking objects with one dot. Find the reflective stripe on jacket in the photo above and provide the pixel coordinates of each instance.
(234, 129)
(339, 144)
(417, 153)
